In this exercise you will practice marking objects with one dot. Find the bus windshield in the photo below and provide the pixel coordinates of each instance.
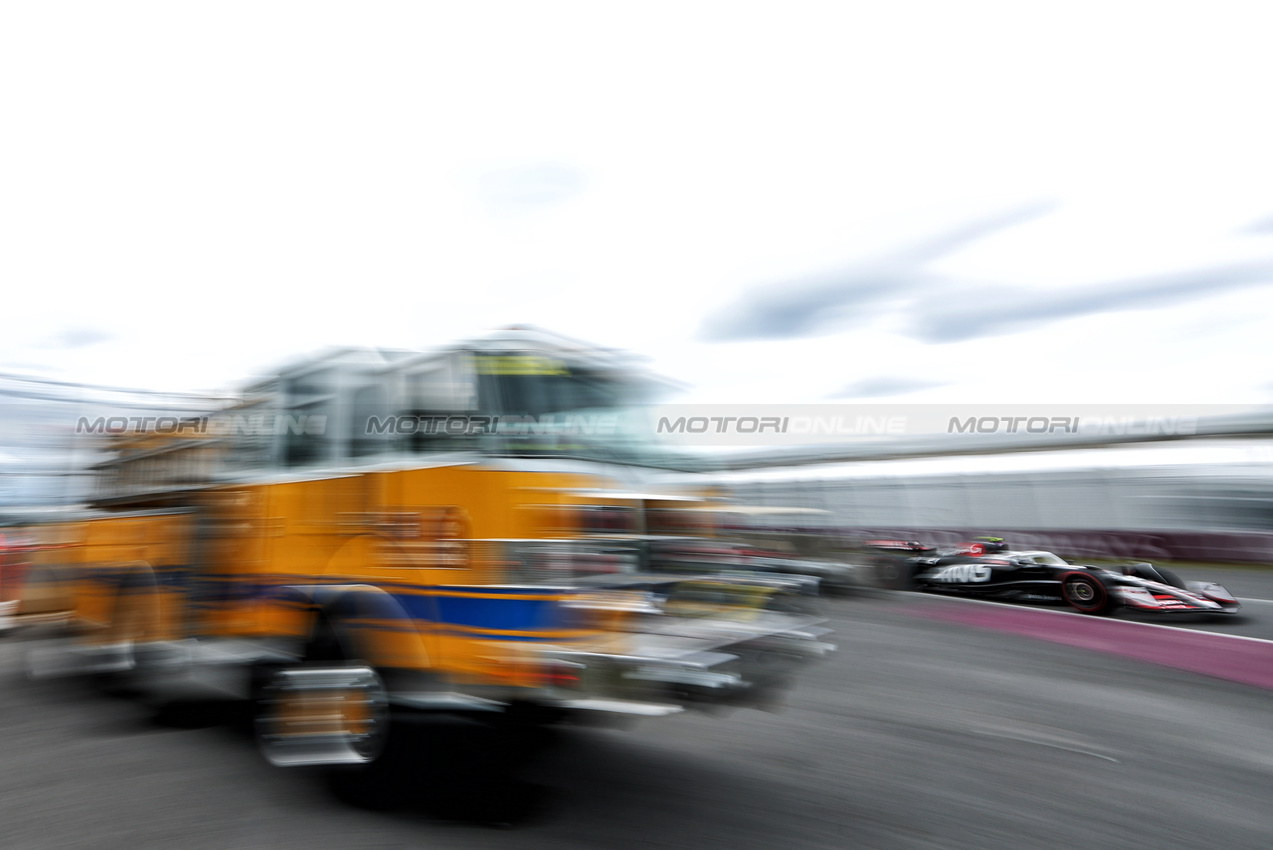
(546, 407)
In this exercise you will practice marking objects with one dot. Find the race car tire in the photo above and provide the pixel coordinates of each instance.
(894, 573)
(1086, 593)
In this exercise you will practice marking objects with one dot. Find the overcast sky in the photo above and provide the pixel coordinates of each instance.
(790, 203)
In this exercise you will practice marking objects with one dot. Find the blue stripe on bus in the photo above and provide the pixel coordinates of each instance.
(514, 615)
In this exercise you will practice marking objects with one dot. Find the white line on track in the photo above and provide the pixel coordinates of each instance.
(1029, 740)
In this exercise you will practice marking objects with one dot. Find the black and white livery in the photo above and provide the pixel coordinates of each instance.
(987, 568)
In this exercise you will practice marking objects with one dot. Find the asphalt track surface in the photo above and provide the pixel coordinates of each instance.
(919, 733)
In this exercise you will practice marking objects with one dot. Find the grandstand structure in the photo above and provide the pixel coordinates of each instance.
(1207, 496)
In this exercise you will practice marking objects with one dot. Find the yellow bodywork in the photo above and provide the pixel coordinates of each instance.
(436, 540)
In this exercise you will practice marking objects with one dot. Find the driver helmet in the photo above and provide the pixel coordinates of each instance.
(991, 545)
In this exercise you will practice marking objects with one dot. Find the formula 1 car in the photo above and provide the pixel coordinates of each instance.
(987, 568)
